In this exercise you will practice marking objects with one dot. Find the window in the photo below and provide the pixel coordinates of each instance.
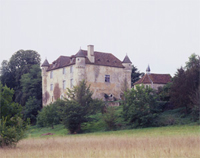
(51, 87)
(51, 74)
(107, 78)
(71, 69)
(71, 83)
(64, 84)
(64, 70)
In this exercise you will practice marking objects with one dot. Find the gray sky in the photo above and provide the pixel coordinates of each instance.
(160, 33)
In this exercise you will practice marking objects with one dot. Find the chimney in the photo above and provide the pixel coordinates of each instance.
(90, 53)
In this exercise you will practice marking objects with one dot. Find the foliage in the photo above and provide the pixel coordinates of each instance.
(185, 84)
(49, 116)
(12, 127)
(78, 107)
(140, 107)
(135, 75)
(20, 63)
(31, 109)
(110, 118)
(31, 84)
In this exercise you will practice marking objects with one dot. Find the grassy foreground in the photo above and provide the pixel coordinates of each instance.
(174, 141)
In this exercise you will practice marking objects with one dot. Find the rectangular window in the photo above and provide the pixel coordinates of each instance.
(64, 70)
(71, 83)
(51, 74)
(71, 69)
(107, 78)
(64, 84)
(51, 87)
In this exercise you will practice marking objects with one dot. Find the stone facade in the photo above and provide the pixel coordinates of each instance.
(105, 74)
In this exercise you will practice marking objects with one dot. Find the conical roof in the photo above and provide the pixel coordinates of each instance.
(148, 69)
(45, 63)
(126, 60)
(80, 54)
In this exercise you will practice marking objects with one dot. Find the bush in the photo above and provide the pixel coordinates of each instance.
(12, 126)
(49, 116)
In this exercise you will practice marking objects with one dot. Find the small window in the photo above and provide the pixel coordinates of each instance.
(51, 74)
(64, 70)
(71, 69)
(107, 78)
(51, 87)
(64, 84)
(71, 83)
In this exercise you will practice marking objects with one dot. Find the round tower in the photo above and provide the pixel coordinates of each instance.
(127, 71)
(80, 65)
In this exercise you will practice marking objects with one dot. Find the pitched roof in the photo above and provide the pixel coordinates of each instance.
(126, 60)
(45, 63)
(156, 78)
(103, 59)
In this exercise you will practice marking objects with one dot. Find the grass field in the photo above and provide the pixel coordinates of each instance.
(174, 141)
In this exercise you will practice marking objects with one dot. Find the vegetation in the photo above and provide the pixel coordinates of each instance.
(49, 116)
(184, 91)
(174, 141)
(12, 127)
(140, 107)
(135, 75)
(78, 107)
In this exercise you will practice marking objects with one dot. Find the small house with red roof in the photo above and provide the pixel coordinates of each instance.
(105, 73)
(154, 80)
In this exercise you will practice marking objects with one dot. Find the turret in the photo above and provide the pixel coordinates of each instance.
(45, 66)
(80, 65)
(148, 70)
(127, 63)
(127, 71)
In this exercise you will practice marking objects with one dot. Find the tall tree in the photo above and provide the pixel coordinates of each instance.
(11, 72)
(185, 84)
(135, 75)
(78, 107)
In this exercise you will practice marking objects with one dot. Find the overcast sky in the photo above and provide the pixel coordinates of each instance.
(160, 33)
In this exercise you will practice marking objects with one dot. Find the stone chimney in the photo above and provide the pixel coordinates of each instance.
(90, 53)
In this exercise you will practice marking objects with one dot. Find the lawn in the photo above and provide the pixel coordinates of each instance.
(171, 141)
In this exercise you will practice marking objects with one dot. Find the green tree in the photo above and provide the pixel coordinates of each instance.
(185, 84)
(140, 107)
(135, 75)
(31, 109)
(12, 126)
(78, 107)
(20, 63)
(31, 84)
(49, 116)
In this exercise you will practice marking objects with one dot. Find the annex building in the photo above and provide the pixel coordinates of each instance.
(105, 73)
(154, 80)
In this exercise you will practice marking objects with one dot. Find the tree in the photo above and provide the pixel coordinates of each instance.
(49, 116)
(31, 109)
(20, 63)
(12, 126)
(185, 84)
(140, 107)
(135, 75)
(31, 84)
(78, 107)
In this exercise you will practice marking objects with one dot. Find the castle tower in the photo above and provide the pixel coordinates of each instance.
(44, 66)
(127, 71)
(80, 66)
